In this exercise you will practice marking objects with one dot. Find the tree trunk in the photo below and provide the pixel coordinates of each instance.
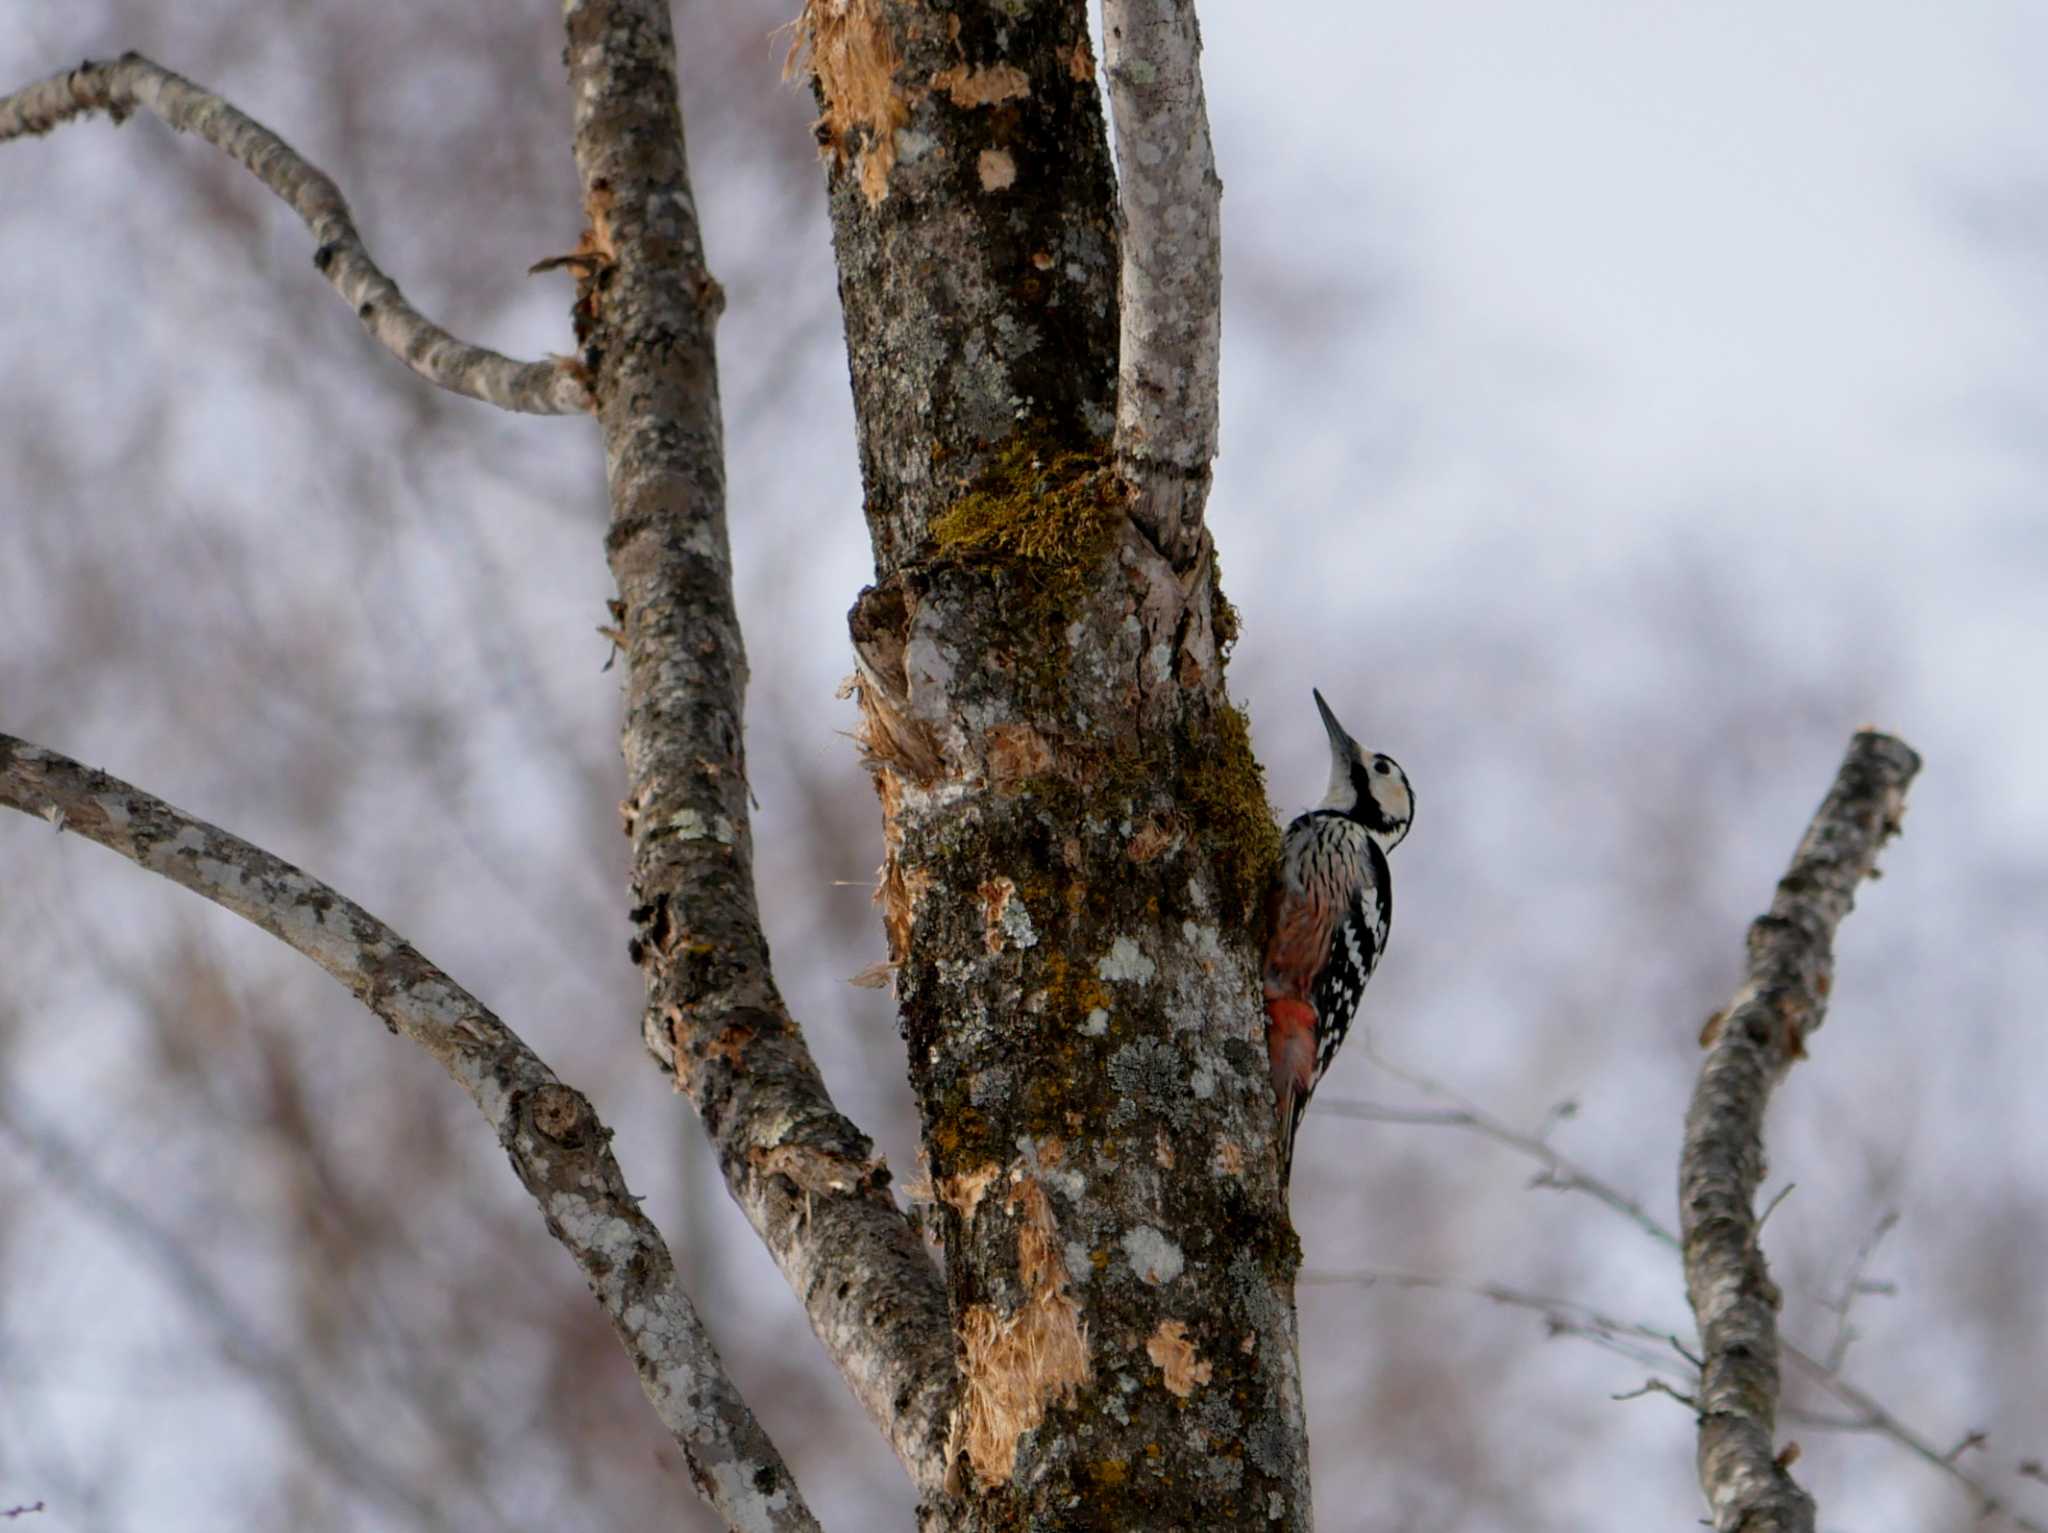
(1076, 833)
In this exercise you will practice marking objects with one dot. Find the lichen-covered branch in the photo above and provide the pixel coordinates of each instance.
(559, 1149)
(805, 1176)
(1754, 1041)
(119, 87)
(1170, 291)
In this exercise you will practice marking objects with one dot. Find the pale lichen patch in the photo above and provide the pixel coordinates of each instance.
(1125, 960)
(586, 1224)
(1155, 1259)
(1206, 941)
(691, 825)
(1005, 920)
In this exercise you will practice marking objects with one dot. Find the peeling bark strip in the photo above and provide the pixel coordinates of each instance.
(1170, 287)
(973, 215)
(559, 1149)
(1020, 1362)
(535, 388)
(806, 1178)
(1763, 1030)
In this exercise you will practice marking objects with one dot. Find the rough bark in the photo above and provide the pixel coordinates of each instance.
(805, 1176)
(558, 1147)
(1752, 1044)
(1076, 835)
(554, 387)
(973, 213)
(1171, 288)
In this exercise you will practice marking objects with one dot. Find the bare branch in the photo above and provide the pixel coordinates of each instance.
(553, 387)
(557, 1145)
(1170, 289)
(1871, 1416)
(805, 1176)
(1866, 1414)
(1639, 1343)
(1762, 1031)
(1561, 1173)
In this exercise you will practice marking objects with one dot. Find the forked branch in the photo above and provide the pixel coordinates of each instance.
(118, 88)
(1753, 1043)
(559, 1149)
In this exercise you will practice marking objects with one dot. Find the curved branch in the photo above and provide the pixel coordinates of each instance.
(1762, 1031)
(554, 387)
(1170, 288)
(557, 1145)
(805, 1176)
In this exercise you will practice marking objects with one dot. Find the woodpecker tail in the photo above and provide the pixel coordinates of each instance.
(1291, 1051)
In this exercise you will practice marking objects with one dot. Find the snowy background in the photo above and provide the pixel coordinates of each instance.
(1621, 405)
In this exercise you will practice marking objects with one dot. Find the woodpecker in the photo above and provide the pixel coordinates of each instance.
(1327, 918)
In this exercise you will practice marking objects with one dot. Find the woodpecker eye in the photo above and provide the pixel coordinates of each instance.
(1382, 766)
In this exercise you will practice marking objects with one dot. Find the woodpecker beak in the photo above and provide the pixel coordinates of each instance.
(1343, 757)
(1342, 746)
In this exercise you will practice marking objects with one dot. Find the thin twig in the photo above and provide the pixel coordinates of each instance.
(1639, 1343)
(1654, 1386)
(554, 387)
(1870, 1416)
(1559, 1171)
(1763, 1030)
(1854, 1287)
(1771, 1207)
(558, 1146)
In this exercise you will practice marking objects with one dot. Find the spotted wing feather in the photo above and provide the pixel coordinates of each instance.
(1328, 921)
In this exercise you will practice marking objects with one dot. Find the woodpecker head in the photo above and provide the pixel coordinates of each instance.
(1370, 788)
